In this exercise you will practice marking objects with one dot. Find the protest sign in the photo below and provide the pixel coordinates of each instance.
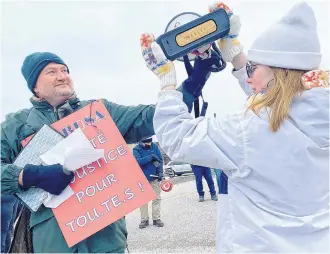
(107, 189)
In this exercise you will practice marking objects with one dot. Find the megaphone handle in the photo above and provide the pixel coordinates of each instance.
(222, 63)
(216, 49)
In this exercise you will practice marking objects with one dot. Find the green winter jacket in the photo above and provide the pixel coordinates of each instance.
(133, 122)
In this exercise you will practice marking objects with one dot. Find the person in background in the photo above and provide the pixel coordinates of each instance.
(199, 172)
(222, 181)
(148, 156)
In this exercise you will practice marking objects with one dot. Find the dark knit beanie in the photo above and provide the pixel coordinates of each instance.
(148, 140)
(35, 63)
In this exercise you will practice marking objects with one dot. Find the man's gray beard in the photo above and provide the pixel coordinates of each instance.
(62, 93)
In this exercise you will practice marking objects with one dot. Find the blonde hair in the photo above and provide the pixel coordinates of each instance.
(285, 86)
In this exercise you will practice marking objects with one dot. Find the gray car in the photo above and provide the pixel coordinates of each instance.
(174, 168)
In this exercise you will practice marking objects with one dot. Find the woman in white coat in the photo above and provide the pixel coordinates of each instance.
(275, 152)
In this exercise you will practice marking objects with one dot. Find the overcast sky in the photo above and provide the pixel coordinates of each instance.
(99, 41)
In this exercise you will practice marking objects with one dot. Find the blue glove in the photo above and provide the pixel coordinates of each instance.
(49, 178)
(155, 157)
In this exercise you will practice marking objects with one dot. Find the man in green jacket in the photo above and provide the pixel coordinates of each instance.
(54, 97)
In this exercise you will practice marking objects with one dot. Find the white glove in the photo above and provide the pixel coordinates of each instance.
(156, 61)
(229, 45)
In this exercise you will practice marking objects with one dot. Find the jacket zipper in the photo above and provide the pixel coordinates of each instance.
(55, 115)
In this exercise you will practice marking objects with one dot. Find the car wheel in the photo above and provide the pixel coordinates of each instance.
(170, 172)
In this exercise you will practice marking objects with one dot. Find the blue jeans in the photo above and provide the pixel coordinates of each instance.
(199, 172)
(222, 181)
(9, 206)
(217, 174)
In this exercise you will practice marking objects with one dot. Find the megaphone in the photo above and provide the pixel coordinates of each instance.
(166, 184)
(182, 19)
(190, 34)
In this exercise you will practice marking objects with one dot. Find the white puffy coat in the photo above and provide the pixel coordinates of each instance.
(278, 183)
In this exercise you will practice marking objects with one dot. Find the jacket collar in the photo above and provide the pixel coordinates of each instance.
(42, 104)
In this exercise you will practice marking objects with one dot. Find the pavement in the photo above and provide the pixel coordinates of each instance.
(190, 225)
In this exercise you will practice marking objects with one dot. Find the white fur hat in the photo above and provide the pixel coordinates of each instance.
(290, 43)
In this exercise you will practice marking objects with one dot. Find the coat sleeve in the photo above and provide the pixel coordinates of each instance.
(241, 75)
(214, 142)
(160, 168)
(141, 160)
(10, 147)
(135, 122)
